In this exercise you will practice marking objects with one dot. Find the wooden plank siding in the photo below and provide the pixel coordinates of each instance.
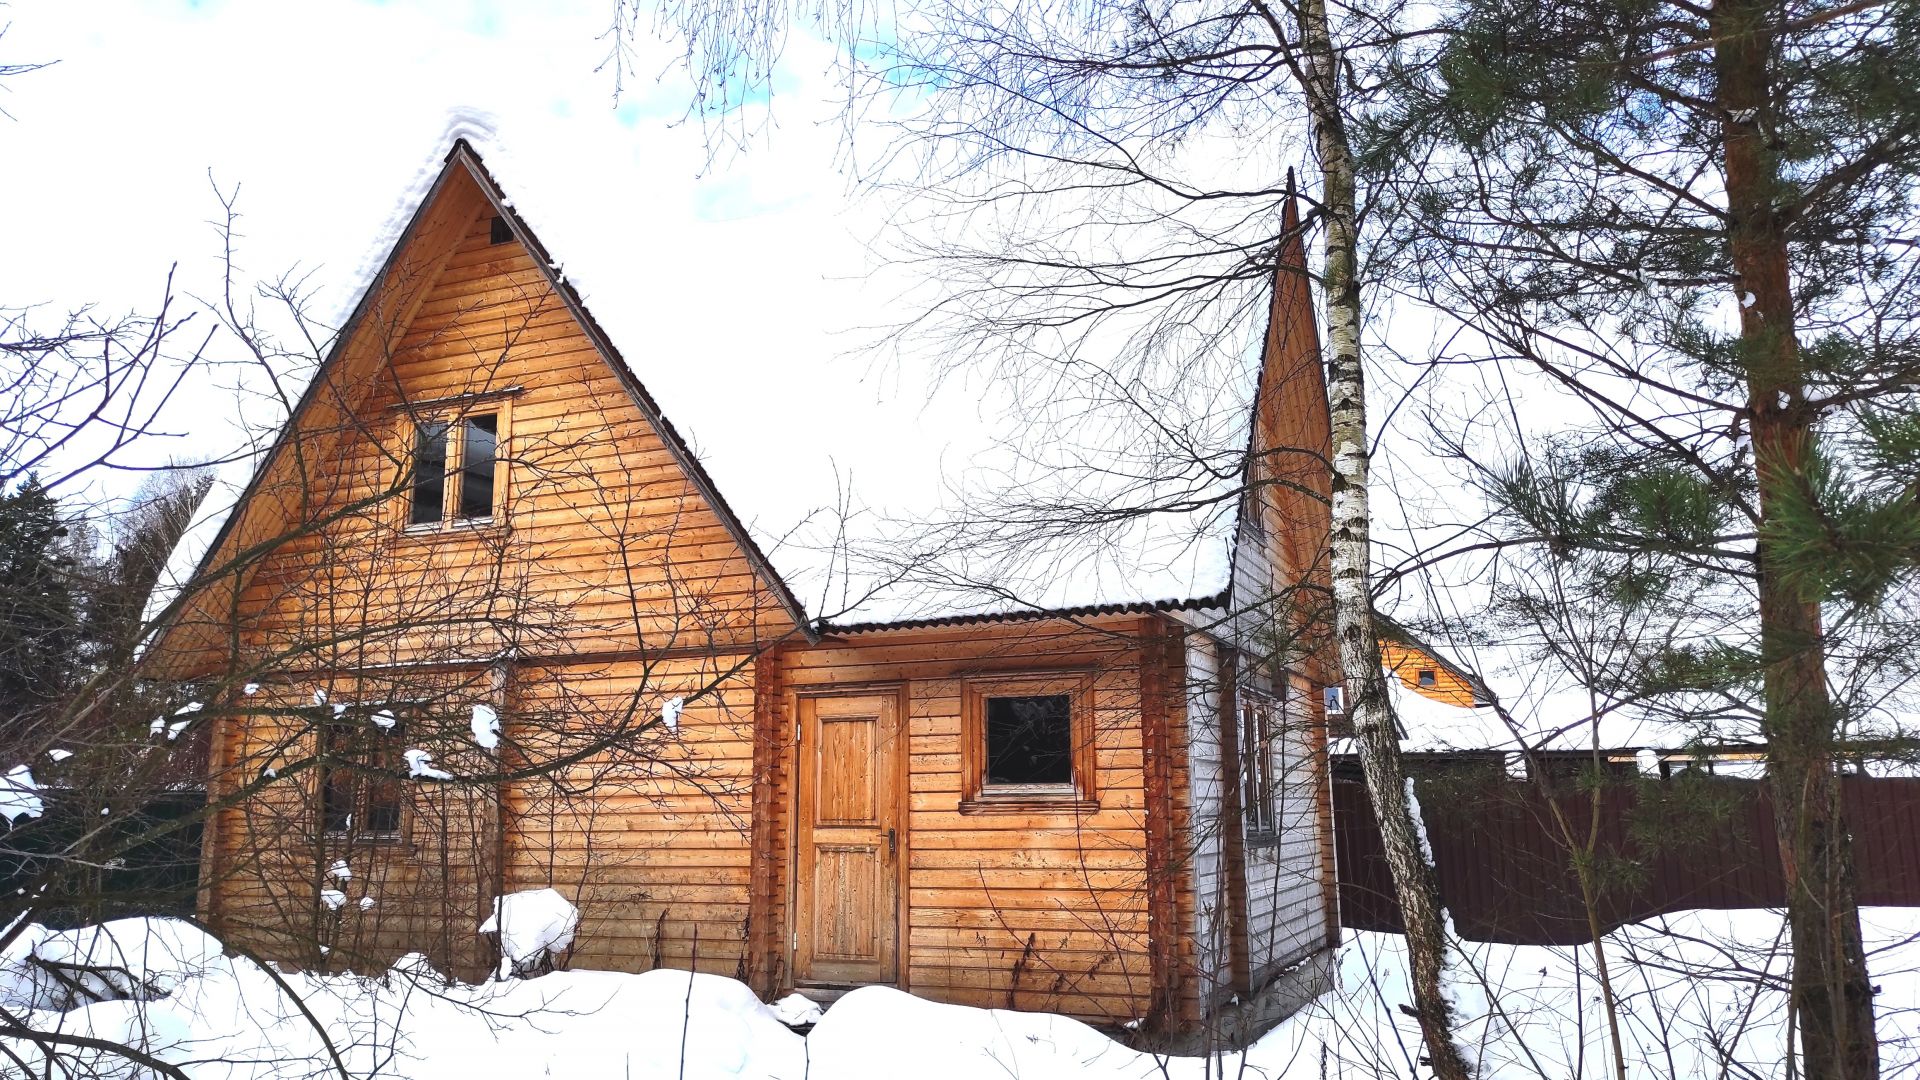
(1406, 663)
(610, 582)
(604, 573)
(1263, 903)
(1031, 909)
(650, 836)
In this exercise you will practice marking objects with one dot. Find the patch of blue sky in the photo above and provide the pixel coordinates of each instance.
(879, 53)
(734, 199)
(483, 18)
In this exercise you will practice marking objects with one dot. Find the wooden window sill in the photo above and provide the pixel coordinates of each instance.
(395, 840)
(471, 529)
(1017, 802)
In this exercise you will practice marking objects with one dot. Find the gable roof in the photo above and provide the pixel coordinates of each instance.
(769, 427)
(207, 540)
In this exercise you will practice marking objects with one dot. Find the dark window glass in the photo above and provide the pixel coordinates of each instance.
(1256, 766)
(478, 436)
(382, 813)
(360, 791)
(429, 473)
(501, 232)
(1030, 739)
(1427, 677)
(336, 800)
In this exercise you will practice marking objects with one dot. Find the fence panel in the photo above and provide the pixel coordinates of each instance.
(1695, 842)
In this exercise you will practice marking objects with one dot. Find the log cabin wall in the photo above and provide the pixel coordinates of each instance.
(652, 837)
(602, 571)
(1024, 907)
(604, 584)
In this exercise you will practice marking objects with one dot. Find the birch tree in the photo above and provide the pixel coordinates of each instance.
(1073, 154)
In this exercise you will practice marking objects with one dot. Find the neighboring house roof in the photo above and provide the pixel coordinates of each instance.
(1392, 631)
(856, 574)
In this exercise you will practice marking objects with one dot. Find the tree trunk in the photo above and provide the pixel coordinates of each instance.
(1832, 998)
(1374, 729)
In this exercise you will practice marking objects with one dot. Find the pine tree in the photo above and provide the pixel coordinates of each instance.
(39, 627)
(140, 539)
(1697, 221)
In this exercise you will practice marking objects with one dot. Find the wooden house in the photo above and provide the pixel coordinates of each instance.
(480, 621)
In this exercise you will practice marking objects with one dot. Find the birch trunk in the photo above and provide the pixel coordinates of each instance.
(1374, 729)
(1832, 996)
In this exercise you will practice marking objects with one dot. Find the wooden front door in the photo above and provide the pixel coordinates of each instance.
(848, 841)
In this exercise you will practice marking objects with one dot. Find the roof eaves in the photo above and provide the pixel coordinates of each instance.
(1138, 607)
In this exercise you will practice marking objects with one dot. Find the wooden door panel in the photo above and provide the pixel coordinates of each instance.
(847, 877)
(847, 762)
(846, 837)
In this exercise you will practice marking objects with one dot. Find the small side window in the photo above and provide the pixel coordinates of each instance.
(361, 793)
(1335, 698)
(1427, 678)
(1030, 739)
(1027, 742)
(1259, 789)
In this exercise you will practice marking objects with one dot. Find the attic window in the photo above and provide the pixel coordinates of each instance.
(456, 475)
(429, 474)
(502, 232)
(1426, 678)
(479, 437)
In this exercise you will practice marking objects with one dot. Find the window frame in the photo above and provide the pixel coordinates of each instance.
(359, 720)
(1262, 719)
(454, 413)
(1333, 699)
(1080, 794)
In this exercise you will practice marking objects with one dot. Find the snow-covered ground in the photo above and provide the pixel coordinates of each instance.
(1690, 1008)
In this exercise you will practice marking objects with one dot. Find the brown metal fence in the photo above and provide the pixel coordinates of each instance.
(1665, 845)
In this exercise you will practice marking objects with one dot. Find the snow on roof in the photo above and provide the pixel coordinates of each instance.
(830, 462)
(1542, 711)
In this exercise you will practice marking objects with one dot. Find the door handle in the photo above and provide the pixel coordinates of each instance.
(892, 847)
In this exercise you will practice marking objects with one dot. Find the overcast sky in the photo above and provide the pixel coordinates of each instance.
(324, 113)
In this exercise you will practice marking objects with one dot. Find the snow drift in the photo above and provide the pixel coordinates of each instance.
(165, 989)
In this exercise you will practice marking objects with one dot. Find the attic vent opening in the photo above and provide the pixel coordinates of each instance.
(502, 232)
